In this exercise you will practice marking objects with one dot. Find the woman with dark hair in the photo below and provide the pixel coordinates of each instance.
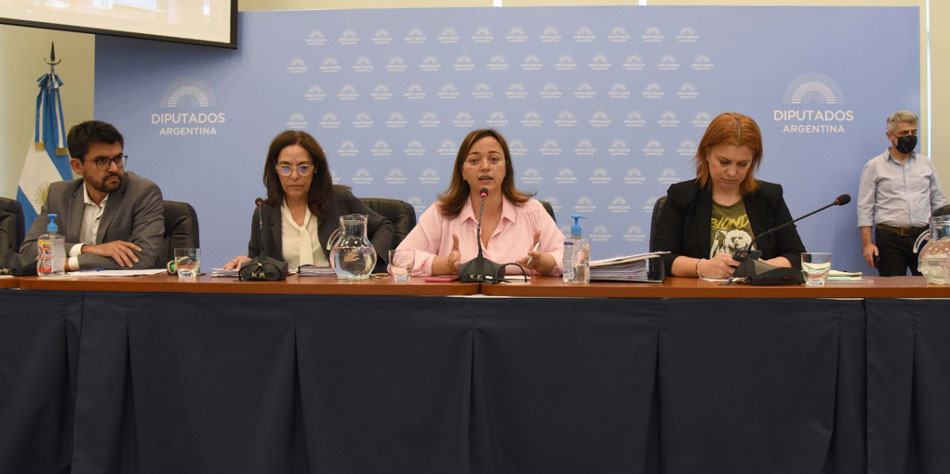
(706, 219)
(515, 227)
(303, 207)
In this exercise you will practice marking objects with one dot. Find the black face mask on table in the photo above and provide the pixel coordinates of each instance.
(906, 144)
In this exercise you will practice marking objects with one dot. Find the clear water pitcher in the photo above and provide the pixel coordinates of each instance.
(934, 258)
(351, 253)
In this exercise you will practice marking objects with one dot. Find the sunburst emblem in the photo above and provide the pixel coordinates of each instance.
(41, 191)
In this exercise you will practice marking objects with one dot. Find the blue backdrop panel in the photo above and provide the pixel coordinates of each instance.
(603, 107)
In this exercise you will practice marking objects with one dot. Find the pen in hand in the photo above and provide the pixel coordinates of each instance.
(537, 246)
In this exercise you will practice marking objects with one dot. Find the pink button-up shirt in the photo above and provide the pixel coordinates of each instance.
(511, 241)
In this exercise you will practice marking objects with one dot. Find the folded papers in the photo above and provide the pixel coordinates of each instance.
(220, 272)
(644, 267)
(314, 271)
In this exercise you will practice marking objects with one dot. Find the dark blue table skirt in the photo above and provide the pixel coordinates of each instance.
(908, 399)
(159, 383)
(39, 345)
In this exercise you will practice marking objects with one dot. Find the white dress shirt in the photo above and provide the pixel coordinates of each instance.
(300, 244)
(89, 228)
(898, 194)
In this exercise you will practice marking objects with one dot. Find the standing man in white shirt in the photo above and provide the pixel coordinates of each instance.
(899, 191)
(111, 218)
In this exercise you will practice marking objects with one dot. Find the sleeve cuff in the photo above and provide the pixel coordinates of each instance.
(74, 263)
(75, 250)
(427, 264)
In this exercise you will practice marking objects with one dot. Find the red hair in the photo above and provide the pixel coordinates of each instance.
(730, 128)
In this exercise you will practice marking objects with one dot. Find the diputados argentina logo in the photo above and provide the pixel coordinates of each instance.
(813, 106)
(196, 115)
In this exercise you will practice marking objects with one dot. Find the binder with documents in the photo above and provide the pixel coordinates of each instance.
(644, 268)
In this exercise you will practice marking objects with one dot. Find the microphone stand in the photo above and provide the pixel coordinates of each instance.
(744, 254)
(262, 267)
(757, 272)
(258, 273)
(479, 269)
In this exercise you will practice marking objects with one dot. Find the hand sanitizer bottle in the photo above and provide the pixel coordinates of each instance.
(576, 260)
(51, 251)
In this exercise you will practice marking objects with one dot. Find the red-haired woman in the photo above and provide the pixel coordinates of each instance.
(706, 219)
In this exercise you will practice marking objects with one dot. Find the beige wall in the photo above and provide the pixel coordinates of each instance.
(249, 5)
(940, 89)
(22, 51)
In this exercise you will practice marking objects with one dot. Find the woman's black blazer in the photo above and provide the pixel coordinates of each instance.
(378, 229)
(683, 225)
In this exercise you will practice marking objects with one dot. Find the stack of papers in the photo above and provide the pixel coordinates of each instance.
(841, 274)
(314, 271)
(644, 267)
(306, 270)
(220, 272)
(837, 275)
(116, 273)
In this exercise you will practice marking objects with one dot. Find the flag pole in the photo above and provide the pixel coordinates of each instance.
(52, 57)
(47, 157)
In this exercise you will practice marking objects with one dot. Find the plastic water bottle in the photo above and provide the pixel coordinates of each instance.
(51, 251)
(576, 261)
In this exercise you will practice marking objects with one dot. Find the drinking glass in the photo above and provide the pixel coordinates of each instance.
(401, 263)
(815, 267)
(187, 262)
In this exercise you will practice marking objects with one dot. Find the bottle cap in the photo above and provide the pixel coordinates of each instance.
(52, 225)
(576, 228)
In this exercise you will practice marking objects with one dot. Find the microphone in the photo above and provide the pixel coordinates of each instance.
(743, 254)
(262, 267)
(483, 194)
(761, 273)
(259, 202)
(479, 269)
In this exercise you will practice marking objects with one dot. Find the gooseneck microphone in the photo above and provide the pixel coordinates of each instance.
(259, 202)
(483, 194)
(479, 269)
(839, 201)
(761, 273)
(258, 273)
(262, 267)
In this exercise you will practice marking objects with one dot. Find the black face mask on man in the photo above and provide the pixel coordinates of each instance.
(906, 144)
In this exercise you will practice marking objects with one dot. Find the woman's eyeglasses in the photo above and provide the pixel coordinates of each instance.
(302, 170)
(103, 163)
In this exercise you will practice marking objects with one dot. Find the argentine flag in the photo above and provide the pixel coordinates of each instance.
(47, 159)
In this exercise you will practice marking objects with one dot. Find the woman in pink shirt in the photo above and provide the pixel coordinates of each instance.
(513, 224)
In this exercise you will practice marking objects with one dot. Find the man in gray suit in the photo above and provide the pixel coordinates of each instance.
(110, 218)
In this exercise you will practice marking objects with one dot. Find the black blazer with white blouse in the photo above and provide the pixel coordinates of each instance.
(378, 229)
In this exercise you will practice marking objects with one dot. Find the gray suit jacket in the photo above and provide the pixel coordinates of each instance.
(6, 240)
(134, 213)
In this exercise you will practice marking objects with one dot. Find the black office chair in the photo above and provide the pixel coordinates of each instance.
(181, 231)
(547, 207)
(400, 213)
(12, 223)
(657, 207)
